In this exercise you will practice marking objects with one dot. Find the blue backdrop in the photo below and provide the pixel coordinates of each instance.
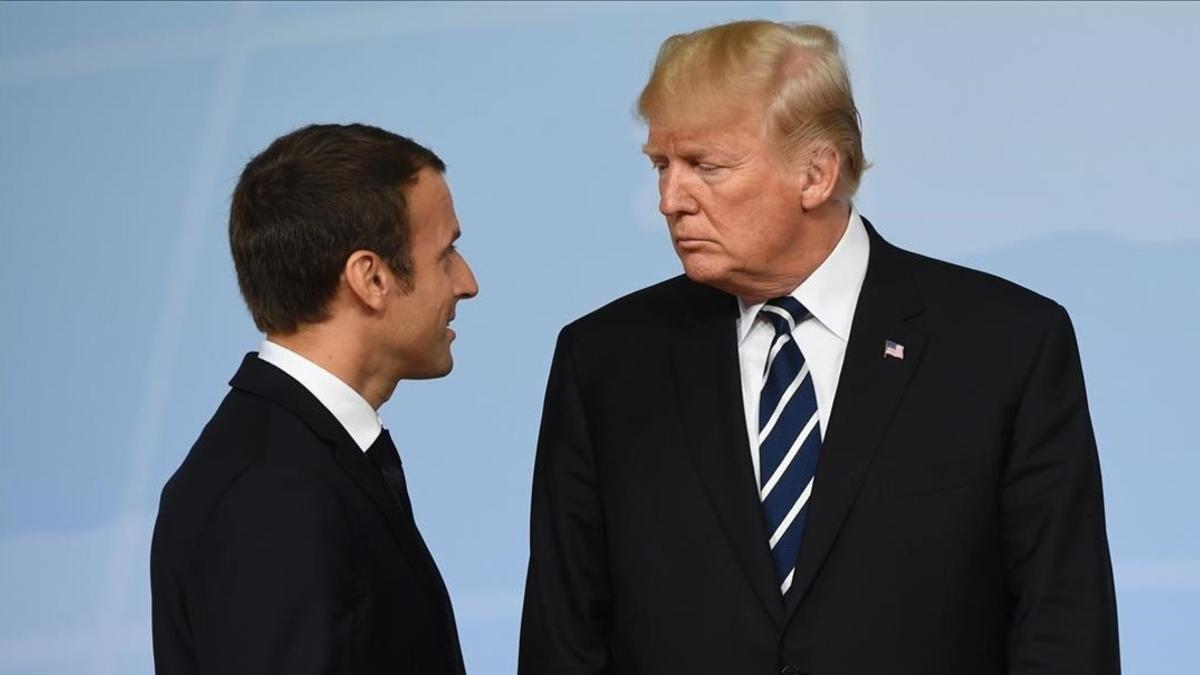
(1054, 144)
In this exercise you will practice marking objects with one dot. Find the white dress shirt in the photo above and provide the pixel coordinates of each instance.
(831, 294)
(356, 416)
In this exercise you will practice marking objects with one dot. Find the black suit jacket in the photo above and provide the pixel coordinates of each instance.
(280, 549)
(956, 524)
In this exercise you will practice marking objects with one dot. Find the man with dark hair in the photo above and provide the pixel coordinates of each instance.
(285, 542)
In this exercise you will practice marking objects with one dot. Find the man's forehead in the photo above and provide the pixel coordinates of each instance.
(431, 208)
(722, 134)
(429, 191)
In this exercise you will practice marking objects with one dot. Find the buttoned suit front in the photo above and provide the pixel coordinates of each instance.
(955, 526)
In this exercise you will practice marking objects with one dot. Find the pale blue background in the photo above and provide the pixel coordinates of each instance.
(1053, 144)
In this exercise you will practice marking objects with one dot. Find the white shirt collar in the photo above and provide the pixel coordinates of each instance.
(831, 291)
(349, 407)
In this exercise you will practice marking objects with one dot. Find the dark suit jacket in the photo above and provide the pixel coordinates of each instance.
(956, 524)
(280, 549)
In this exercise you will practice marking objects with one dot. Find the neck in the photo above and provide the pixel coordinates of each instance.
(342, 355)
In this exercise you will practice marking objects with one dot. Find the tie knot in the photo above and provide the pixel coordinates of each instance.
(383, 451)
(784, 313)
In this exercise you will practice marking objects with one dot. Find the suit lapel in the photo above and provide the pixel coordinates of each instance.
(870, 388)
(704, 357)
(263, 379)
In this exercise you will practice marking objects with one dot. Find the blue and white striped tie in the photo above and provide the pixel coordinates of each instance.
(789, 437)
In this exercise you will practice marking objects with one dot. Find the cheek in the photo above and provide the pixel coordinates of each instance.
(437, 303)
(421, 312)
(754, 234)
(740, 225)
(735, 205)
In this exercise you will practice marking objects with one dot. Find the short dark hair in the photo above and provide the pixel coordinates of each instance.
(308, 201)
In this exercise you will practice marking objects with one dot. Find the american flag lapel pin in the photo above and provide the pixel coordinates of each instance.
(893, 349)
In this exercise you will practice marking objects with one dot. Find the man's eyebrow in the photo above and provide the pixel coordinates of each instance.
(689, 151)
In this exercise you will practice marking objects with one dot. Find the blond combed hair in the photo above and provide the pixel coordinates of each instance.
(796, 69)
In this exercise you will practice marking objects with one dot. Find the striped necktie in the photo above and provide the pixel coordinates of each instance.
(789, 437)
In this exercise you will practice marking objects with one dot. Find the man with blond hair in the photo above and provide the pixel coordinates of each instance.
(813, 452)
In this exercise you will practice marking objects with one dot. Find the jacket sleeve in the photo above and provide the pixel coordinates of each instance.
(1059, 576)
(277, 578)
(566, 620)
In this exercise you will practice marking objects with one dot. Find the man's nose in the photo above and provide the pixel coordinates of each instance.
(467, 286)
(674, 197)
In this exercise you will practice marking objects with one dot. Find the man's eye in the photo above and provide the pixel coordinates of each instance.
(658, 167)
(706, 168)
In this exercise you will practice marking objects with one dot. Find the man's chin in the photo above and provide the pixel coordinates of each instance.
(434, 370)
(707, 274)
(442, 370)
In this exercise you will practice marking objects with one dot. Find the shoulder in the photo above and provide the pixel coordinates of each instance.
(660, 306)
(984, 326)
(245, 431)
(654, 315)
(254, 462)
(960, 294)
(665, 299)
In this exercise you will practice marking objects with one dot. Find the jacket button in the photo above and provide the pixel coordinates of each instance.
(790, 670)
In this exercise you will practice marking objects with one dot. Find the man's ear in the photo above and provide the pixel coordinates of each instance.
(820, 177)
(366, 277)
